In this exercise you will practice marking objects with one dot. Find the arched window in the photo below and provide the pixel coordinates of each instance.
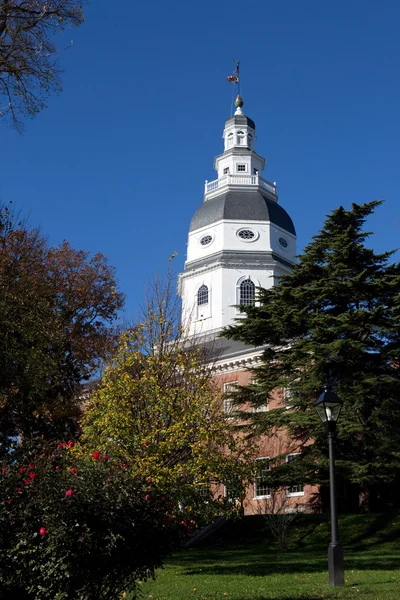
(240, 138)
(230, 140)
(202, 295)
(247, 294)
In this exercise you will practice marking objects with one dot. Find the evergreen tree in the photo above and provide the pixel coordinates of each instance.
(335, 317)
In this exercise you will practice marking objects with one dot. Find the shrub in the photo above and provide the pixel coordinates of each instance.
(86, 530)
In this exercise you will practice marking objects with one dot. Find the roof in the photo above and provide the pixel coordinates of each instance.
(241, 205)
(240, 120)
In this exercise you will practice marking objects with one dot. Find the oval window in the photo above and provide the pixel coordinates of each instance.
(205, 240)
(246, 234)
(283, 242)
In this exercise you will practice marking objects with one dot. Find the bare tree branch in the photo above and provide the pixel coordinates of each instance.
(29, 70)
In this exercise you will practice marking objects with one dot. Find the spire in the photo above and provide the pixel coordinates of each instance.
(239, 103)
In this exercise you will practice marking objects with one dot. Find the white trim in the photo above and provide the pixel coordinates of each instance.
(262, 496)
(294, 494)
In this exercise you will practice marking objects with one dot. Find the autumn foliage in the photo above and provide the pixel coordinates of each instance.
(157, 408)
(56, 308)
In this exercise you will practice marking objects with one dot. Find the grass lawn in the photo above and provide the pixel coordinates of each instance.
(243, 563)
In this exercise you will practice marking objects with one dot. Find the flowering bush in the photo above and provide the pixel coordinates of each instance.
(82, 530)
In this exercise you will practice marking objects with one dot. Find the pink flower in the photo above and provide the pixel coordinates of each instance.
(124, 466)
(58, 467)
(96, 455)
(74, 470)
(147, 497)
(4, 470)
(22, 469)
(69, 493)
(31, 466)
(43, 531)
(105, 458)
(145, 443)
(27, 481)
(32, 475)
(61, 445)
(71, 444)
(9, 500)
(19, 490)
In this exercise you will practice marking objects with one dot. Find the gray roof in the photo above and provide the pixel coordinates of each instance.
(240, 120)
(241, 205)
(221, 348)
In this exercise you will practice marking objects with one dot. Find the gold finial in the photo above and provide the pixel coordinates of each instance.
(239, 102)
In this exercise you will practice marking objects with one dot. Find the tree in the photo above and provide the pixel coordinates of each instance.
(158, 409)
(29, 71)
(57, 306)
(334, 317)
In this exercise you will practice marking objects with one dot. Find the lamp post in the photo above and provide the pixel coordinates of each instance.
(328, 407)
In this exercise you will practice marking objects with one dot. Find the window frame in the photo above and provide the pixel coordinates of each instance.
(296, 494)
(204, 294)
(241, 288)
(256, 496)
(263, 407)
(228, 407)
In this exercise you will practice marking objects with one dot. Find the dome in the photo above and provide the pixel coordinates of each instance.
(241, 206)
(241, 120)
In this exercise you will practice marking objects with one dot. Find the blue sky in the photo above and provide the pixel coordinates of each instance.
(116, 164)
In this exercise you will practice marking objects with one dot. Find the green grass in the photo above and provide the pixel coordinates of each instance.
(243, 563)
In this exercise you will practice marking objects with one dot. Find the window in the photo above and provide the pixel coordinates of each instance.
(298, 489)
(205, 240)
(255, 171)
(202, 295)
(230, 140)
(246, 234)
(226, 170)
(261, 407)
(290, 396)
(241, 168)
(247, 293)
(261, 487)
(233, 488)
(228, 401)
(203, 490)
(240, 138)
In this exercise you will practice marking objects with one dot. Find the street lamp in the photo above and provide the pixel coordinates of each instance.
(328, 407)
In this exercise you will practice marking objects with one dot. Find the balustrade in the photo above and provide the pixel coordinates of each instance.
(229, 179)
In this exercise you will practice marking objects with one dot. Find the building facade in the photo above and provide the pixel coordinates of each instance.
(240, 238)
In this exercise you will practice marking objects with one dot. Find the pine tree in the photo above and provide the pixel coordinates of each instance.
(334, 317)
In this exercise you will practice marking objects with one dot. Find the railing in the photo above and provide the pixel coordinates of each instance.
(228, 179)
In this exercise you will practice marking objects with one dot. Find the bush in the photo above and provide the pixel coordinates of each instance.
(79, 529)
